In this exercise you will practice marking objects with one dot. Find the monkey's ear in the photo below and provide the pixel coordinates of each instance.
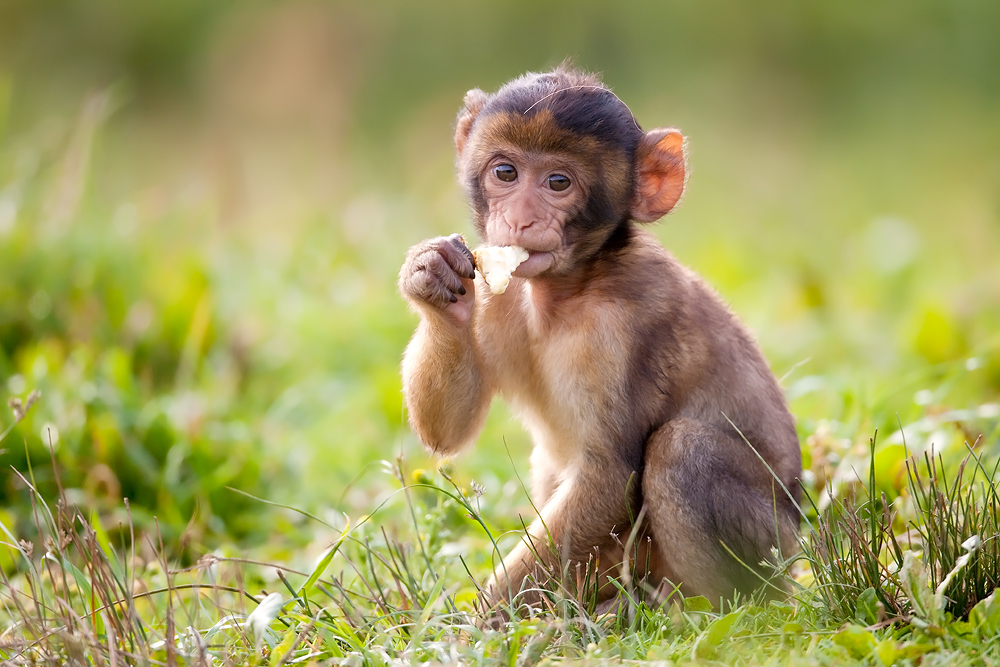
(660, 174)
(475, 100)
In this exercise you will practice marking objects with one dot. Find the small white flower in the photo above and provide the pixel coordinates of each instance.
(988, 410)
(261, 617)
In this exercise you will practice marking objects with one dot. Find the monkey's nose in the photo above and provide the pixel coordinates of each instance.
(522, 223)
(523, 220)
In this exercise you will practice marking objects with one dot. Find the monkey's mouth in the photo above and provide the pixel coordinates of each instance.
(538, 262)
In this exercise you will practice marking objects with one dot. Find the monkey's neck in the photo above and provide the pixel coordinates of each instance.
(553, 296)
(563, 287)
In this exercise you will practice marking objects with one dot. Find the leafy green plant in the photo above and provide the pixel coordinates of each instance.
(944, 562)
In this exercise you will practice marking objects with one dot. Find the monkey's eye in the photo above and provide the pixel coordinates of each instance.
(505, 172)
(558, 182)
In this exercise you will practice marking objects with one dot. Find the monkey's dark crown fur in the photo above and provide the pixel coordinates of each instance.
(579, 102)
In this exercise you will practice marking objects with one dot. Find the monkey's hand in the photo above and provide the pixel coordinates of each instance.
(438, 278)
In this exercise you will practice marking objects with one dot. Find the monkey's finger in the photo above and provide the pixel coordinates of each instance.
(445, 273)
(459, 256)
(426, 286)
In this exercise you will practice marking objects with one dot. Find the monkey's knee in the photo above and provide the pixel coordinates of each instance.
(712, 521)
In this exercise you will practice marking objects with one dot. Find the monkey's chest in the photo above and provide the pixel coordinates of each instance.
(565, 383)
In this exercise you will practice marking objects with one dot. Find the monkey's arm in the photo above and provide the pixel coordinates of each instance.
(446, 394)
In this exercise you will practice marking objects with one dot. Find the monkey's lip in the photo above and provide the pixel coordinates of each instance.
(537, 262)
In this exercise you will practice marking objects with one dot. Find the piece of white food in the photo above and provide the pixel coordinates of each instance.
(496, 264)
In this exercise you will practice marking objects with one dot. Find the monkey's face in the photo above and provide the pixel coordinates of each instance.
(530, 198)
(536, 185)
(555, 163)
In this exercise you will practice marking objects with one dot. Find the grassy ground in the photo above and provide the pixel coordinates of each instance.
(201, 286)
(911, 582)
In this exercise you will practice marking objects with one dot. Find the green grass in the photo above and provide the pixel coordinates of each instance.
(201, 286)
(378, 595)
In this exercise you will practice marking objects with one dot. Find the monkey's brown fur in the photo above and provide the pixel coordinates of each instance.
(624, 365)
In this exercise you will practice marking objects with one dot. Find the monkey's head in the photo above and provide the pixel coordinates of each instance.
(556, 163)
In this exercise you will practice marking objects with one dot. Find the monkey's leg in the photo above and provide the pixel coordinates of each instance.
(709, 498)
(545, 476)
(586, 518)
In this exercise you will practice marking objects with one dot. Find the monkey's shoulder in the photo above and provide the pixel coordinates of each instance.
(654, 282)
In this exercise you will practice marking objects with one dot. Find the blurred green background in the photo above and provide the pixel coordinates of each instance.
(203, 207)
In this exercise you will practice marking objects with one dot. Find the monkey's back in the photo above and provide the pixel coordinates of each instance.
(705, 364)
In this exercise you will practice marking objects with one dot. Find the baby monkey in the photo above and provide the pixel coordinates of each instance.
(641, 390)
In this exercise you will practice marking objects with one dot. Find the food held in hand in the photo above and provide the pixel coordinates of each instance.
(496, 264)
